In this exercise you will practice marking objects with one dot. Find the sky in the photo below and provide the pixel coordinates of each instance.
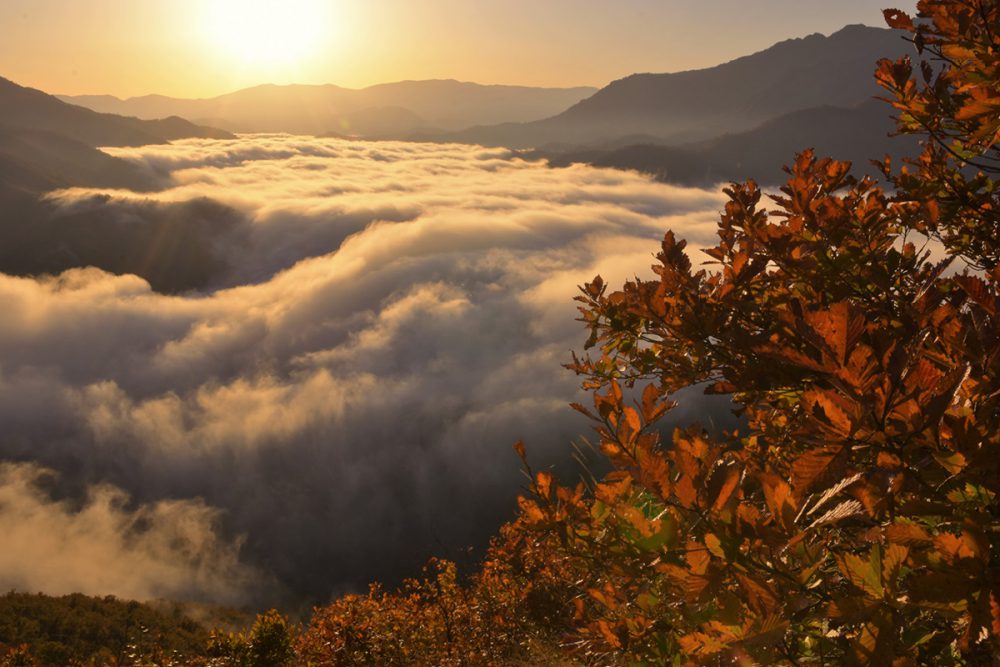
(202, 48)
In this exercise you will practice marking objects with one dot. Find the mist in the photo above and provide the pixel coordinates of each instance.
(332, 395)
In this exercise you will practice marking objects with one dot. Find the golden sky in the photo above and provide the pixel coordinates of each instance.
(198, 48)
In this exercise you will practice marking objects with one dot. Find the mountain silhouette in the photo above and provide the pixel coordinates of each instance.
(424, 106)
(32, 109)
(858, 134)
(39, 160)
(46, 144)
(793, 75)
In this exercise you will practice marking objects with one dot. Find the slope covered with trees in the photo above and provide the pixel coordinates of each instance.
(682, 107)
(77, 629)
(854, 134)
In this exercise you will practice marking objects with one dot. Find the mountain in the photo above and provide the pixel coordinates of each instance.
(793, 75)
(39, 160)
(31, 109)
(424, 106)
(857, 134)
(46, 144)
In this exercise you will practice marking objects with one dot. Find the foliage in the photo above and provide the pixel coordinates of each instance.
(956, 104)
(855, 519)
(82, 630)
(269, 643)
(506, 613)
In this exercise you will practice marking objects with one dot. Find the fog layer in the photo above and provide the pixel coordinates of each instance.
(379, 322)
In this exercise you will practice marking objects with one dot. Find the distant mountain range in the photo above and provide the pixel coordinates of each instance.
(32, 109)
(46, 143)
(744, 118)
(684, 107)
(392, 110)
(858, 134)
(741, 119)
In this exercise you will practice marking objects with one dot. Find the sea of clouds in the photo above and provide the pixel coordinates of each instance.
(338, 401)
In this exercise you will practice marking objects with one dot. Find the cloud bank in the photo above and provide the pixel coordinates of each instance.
(337, 400)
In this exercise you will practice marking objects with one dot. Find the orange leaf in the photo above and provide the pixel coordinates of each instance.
(723, 484)
(609, 636)
(865, 573)
(632, 419)
(908, 534)
(761, 597)
(832, 413)
(839, 328)
(815, 464)
(543, 484)
(610, 492)
(519, 448)
(530, 510)
(897, 19)
(721, 388)
(778, 496)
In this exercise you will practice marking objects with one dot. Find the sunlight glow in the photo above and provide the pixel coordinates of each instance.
(268, 32)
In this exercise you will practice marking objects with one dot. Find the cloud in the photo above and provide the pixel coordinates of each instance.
(381, 321)
(101, 546)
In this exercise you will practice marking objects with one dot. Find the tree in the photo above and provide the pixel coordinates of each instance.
(958, 108)
(855, 518)
(269, 643)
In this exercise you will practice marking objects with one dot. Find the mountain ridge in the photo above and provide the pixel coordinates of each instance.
(694, 105)
(32, 109)
(318, 109)
(855, 134)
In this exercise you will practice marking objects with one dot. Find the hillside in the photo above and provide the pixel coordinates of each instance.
(81, 628)
(698, 105)
(31, 109)
(40, 160)
(427, 106)
(857, 134)
(46, 144)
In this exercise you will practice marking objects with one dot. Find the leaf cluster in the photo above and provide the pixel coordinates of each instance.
(506, 613)
(952, 97)
(854, 520)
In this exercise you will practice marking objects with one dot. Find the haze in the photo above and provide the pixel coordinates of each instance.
(176, 47)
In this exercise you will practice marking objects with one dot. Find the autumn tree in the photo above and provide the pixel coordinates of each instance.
(510, 612)
(269, 643)
(855, 518)
(952, 96)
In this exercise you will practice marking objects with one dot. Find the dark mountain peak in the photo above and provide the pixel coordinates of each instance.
(31, 109)
(11, 92)
(800, 73)
(858, 29)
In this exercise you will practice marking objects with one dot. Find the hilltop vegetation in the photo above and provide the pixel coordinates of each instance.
(79, 629)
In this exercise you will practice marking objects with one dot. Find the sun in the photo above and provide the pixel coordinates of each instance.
(267, 32)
